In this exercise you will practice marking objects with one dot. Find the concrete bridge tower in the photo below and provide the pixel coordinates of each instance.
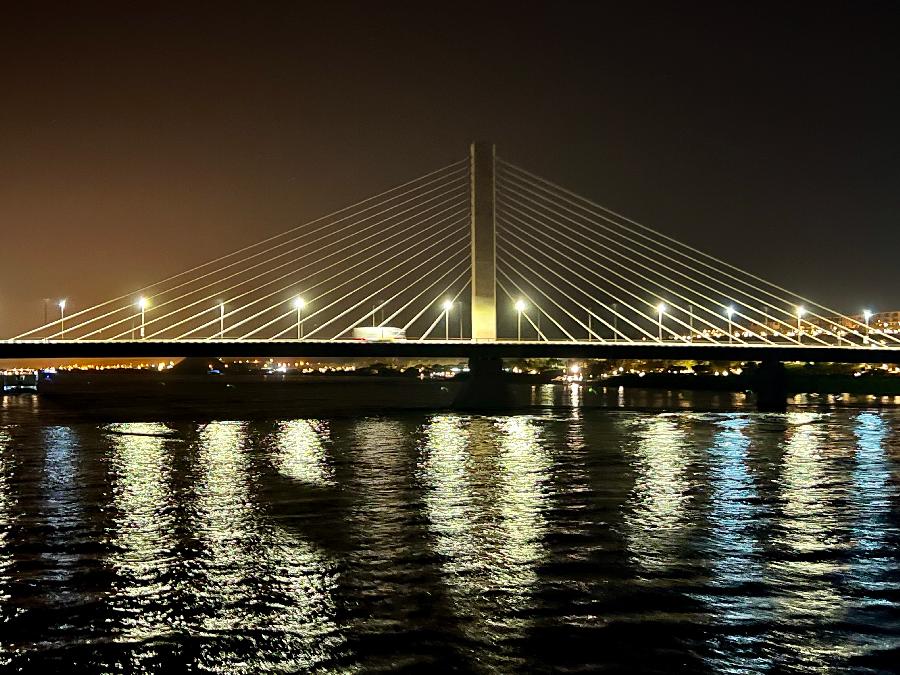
(482, 160)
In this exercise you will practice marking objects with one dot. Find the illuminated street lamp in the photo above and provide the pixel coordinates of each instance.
(299, 304)
(520, 307)
(62, 319)
(867, 314)
(730, 312)
(447, 306)
(142, 303)
(660, 310)
(221, 320)
(801, 310)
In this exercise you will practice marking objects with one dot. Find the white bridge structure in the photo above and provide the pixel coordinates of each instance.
(479, 256)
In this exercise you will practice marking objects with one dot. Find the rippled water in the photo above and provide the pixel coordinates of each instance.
(576, 540)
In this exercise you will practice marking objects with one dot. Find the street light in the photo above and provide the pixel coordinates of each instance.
(62, 319)
(867, 314)
(520, 307)
(660, 310)
(143, 303)
(801, 310)
(299, 304)
(615, 318)
(730, 312)
(447, 305)
(221, 320)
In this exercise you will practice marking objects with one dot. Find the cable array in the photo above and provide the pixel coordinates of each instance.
(567, 268)
(597, 275)
(389, 255)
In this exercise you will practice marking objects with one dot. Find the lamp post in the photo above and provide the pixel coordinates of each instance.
(867, 314)
(520, 307)
(299, 305)
(615, 318)
(142, 303)
(660, 310)
(730, 312)
(800, 312)
(221, 320)
(62, 319)
(447, 306)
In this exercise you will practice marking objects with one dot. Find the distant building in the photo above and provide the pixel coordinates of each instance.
(882, 319)
(886, 321)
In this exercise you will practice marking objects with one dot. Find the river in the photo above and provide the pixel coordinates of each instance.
(565, 539)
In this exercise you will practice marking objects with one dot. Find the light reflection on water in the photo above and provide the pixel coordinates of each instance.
(808, 536)
(656, 516)
(300, 452)
(736, 526)
(485, 496)
(715, 542)
(248, 561)
(143, 538)
(6, 607)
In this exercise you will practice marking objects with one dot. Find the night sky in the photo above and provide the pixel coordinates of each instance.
(139, 139)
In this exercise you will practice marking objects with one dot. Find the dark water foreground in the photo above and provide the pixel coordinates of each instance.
(574, 540)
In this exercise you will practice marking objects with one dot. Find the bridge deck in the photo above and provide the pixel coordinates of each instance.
(59, 349)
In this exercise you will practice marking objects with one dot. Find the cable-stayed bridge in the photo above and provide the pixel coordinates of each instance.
(480, 258)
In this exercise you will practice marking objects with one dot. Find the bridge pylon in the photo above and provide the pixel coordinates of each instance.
(482, 162)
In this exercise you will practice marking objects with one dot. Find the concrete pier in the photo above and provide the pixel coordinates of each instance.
(486, 388)
(770, 387)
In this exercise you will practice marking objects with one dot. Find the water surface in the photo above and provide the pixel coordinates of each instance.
(567, 540)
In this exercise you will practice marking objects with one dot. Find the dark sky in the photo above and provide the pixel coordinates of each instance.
(138, 139)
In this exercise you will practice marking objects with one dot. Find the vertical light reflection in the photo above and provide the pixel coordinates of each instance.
(807, 598)
(450, 499)
(547, 395)
(485, 498)
(143, 538)
(225, 526)
(655, 521)
(6, 652)
(873, 558)
(525, 468)
(734, 520)
(574, 394)
(267, 594)
(871, 499)
(301, 453)
(63, 511)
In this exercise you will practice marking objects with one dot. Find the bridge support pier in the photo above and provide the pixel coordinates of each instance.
(770, 387)
(486, 387)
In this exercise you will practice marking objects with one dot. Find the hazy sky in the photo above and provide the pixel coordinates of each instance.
(138, 139)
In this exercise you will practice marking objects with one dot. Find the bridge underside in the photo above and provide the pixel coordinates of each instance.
(79, 349)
